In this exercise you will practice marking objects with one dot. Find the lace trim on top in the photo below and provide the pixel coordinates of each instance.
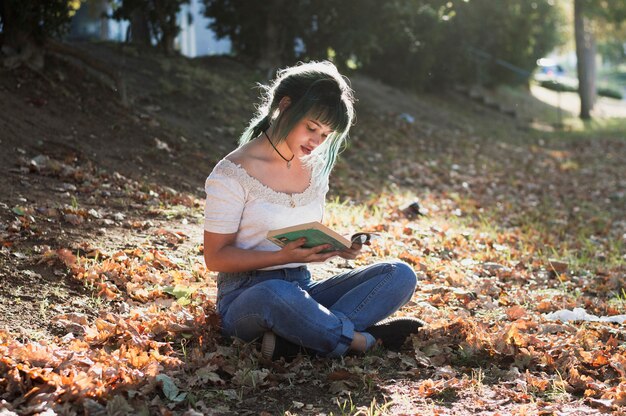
(262, 191)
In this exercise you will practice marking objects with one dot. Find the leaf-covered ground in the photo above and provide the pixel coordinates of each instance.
(107, 308)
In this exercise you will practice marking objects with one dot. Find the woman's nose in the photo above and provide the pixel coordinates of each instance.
(319, 138)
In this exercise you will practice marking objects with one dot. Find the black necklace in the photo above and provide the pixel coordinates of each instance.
(279, 154)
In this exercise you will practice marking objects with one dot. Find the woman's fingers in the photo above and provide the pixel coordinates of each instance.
(315, 253)
(295, 244)
(298, 254)
(319, 249)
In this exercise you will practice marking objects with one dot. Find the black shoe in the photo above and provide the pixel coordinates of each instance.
(274, 347)
(393, 332)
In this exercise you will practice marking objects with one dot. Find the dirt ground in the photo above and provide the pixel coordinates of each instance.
(67, 122)
(92, 186)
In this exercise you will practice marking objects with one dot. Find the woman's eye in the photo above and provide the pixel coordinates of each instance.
(311, 128)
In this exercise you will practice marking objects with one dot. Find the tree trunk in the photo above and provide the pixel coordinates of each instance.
(271, 54)
(585, 57)
(139, 29)
(104, 20)
(18, 43)
(167, 42)
(15, 28)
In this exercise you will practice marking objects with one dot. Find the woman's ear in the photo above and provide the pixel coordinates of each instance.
(284, 103)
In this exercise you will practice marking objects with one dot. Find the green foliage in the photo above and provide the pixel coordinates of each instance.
(518, 32)
(34, 21)
(602, 91)
(246, 23)
(161, 16)
(613, 11)
(610, 93)
(435, 38)
(417, 44)
(344, 28)
(612, 51)
(413, 48)
(557, 86)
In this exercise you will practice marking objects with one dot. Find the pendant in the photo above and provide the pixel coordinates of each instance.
(289, 164)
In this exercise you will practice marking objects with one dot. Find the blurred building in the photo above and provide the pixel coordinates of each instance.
(195, 38)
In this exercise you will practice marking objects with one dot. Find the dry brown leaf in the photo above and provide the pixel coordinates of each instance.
(618, 362)
(620, 394)
(66, 257)
(340, 375)
(516, 312)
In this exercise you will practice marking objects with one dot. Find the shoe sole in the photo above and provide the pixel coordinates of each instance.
(387, 321)
(268, 345)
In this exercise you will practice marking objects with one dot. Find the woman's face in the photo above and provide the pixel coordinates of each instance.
(306, 135)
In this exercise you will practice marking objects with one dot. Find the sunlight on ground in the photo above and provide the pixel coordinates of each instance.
(570, 102)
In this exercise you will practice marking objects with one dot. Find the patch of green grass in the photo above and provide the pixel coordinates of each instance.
(607, 128)
(527, 107)
(446, 396)
(167, 87)
(468, 356)
(346, 406)
(557, 391)
(176, 211)
(375, 408)
(477, 378)
(618, 301)
(346, 214)
(44, 306)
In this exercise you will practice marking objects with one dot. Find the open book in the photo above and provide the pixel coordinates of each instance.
(316, 234)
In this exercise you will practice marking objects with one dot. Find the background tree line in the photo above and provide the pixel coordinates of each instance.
(419, 44)
(416, 44)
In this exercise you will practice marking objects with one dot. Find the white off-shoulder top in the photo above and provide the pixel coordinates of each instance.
(239, 203)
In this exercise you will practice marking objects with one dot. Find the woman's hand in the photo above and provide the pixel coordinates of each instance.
(352, 252)
(294, 252)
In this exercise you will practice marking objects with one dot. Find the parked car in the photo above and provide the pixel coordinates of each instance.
(548, 69)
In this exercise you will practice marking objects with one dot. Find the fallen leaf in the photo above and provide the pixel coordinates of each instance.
(557, 266)
(66, 257)
(73, 219)
(516, 312)
(340, 375)
(170, 389)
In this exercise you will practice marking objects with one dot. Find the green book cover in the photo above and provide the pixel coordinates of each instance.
(316, 234)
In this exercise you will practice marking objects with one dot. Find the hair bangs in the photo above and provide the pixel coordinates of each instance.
(334, 116)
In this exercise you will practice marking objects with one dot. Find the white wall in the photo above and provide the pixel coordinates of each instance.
(196, 39)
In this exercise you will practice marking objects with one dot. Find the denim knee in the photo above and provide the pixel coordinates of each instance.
(404, 277)
(268, 293)
(265, 301)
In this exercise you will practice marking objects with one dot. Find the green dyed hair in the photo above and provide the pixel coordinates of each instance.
(317, 90)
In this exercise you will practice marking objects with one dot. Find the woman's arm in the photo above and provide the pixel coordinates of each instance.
(221, 255)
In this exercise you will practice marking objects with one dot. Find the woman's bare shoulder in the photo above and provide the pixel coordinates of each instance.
(250, 157)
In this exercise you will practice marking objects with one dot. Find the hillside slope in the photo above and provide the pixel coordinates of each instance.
(106, 306)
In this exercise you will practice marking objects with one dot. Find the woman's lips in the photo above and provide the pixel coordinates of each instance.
(306, 150)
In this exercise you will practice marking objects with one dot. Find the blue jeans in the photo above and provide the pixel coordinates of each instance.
(320, 315)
